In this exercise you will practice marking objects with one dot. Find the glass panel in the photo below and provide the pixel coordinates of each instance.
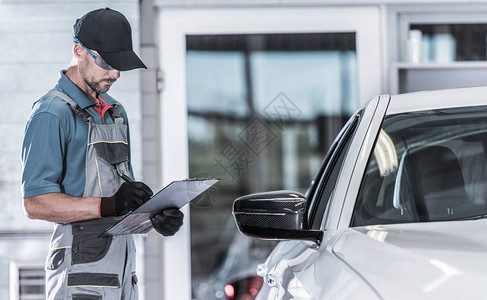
(447, 42)
(426, 166)
(262, 111)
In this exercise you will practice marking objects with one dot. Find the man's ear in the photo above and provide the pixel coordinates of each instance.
(78, 51)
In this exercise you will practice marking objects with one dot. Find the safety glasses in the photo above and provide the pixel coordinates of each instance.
(98, 60)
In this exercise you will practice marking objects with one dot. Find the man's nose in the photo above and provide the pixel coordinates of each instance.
(115, 74)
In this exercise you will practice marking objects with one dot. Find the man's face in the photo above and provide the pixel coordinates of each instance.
(98, 79)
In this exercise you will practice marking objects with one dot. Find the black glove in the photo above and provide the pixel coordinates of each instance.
(129, 196)
(168, 221)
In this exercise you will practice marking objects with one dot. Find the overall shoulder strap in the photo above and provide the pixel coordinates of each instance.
(72, 104)
(115, 114)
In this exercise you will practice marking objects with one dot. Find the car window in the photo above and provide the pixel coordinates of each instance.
(325, 182)
(426, 166)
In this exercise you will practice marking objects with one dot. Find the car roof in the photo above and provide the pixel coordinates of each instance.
(440, 99)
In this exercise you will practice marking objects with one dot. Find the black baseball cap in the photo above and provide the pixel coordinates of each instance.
(108, 32)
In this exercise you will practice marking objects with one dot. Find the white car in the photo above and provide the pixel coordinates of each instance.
(397, 210)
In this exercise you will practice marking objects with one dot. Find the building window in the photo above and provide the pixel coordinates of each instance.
(27, 282)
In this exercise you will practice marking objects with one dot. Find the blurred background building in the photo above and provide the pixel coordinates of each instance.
(252, 92)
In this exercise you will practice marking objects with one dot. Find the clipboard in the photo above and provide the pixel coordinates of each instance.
(174, 195)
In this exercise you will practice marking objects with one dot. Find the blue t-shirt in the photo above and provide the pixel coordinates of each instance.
(55, 141)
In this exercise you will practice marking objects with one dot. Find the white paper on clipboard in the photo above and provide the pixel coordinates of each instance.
(174, 195)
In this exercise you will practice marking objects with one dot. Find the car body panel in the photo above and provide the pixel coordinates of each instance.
(428, 100)
(350, 183)
(295, 267)
(437, 260)
(335, 206)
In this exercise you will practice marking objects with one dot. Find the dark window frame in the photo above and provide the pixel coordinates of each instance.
(320, 191)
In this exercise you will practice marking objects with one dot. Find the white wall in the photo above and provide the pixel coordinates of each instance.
(224, 3)
(35, 44)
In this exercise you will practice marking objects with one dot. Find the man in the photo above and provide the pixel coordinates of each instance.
(75, 153)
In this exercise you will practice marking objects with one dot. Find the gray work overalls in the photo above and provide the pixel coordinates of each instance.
(80, 265)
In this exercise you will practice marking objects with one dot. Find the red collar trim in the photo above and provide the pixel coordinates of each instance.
(102, 107)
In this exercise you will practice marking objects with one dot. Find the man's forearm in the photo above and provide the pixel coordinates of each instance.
(61, 208)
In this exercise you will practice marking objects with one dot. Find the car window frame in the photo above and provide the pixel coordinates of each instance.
(343, 201)
(417, 219)
(340, 146)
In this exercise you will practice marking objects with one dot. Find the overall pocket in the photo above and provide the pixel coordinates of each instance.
(113, 152)
(87, 245)
(93, 280)
(90, 286)
(110, 142)
(55, 258)
(86, 297)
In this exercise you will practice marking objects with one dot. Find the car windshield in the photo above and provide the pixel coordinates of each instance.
(426, 166)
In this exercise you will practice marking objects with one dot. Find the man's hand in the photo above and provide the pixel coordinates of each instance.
(168, 221)
(129, 197)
